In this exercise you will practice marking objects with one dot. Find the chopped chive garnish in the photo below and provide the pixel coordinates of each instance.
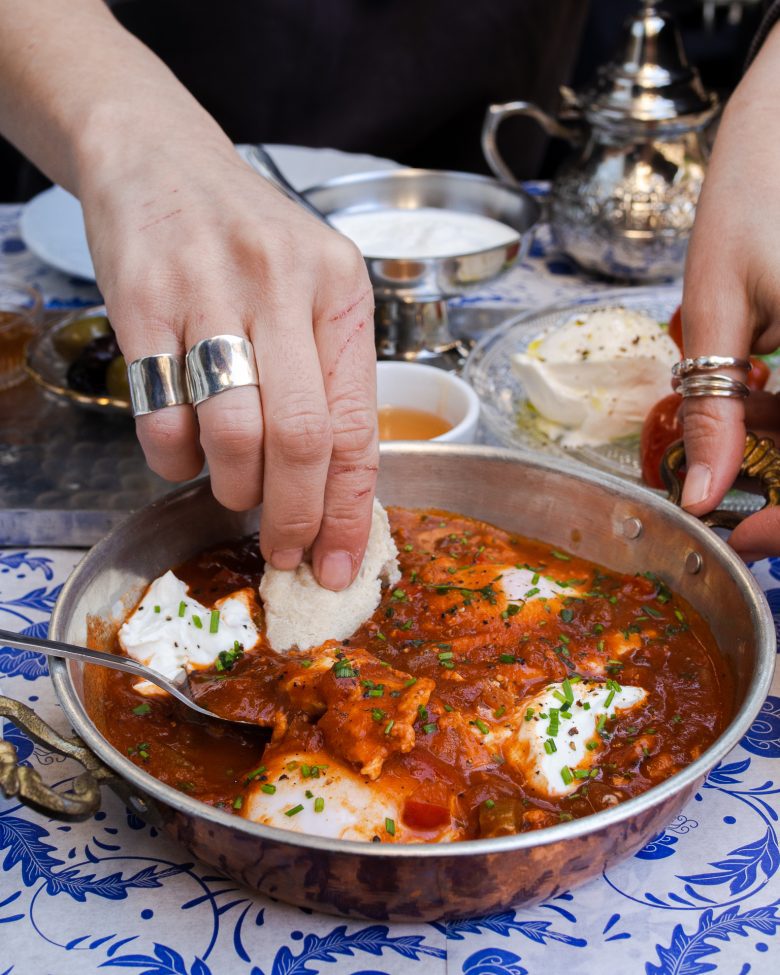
(566, 775)
(592, 745)
(507, 658)
(680, 615)
(429, 728)
(446, 655)
(581, 773)
(550, 746)
(531, 592)
(306, 663)
(268, 788)
(610, 698)
(390, 826)
(343, 668)
(567, 615)
(534, 578)
(560, 555)
(411, 682)
(676, 718)
(552, 729)
(529, 713)
(238, 802)
(144, 708)
(377, 714)
(376, 692)
(652, 611)
(479, 723)
(214, 621)
(157, 609)
(256, 774)
(389, 727)
(500, 712)
(227, 658)
(294, 811)
(448, 707)
(197, 621)
(182, 608)
(489, 803)
(601, 722)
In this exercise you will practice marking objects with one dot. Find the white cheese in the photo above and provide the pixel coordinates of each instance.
(594, 378)
(299, 612)
(544, 769)
(351, 807)
(163, 632)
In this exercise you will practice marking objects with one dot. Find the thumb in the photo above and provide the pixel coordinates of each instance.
(715, 322)
(714, 434)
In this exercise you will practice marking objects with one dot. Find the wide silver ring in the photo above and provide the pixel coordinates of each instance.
(710, 384)
(220, 363)
(157, 381)
(708, 363)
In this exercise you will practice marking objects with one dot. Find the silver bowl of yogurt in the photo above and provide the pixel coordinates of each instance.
(425, 235)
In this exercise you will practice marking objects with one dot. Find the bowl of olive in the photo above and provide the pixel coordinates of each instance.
(78, 358)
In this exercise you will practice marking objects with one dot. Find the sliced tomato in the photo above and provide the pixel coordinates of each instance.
(675, 328)
(425, 815)
(759, 375)
(660, 429)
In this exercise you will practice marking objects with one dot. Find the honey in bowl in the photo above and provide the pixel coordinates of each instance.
(405, 423)
(15, 333)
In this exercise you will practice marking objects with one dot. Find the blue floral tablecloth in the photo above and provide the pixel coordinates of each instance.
(703, 896)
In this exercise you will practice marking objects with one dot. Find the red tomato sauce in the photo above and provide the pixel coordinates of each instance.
(436, 654)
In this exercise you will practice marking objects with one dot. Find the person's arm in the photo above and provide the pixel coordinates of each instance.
(188, 242)
(731, 299)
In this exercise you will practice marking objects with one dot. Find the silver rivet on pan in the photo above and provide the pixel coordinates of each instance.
(693, 563)
(632, 528)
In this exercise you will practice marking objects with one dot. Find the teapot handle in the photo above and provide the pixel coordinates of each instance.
(496, 114)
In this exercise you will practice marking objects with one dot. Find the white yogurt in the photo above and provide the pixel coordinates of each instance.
(422, 233)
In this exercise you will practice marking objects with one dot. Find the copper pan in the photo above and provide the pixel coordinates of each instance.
(599, 517)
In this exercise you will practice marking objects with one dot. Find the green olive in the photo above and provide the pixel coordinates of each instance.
(73, 337)
(116, 379)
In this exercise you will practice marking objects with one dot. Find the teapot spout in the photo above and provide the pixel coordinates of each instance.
(496, 114)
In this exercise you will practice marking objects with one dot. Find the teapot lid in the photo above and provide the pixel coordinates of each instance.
(650, 80)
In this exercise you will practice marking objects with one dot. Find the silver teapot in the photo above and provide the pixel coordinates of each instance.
(623, 204)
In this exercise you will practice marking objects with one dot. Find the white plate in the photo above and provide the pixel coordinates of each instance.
(52, 225)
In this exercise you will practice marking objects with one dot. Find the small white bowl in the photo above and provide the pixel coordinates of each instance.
(419, 387)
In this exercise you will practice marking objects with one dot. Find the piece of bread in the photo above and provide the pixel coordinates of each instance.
(300, 613)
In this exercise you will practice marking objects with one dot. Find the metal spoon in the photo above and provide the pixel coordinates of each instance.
(180, 688)
(260, 160)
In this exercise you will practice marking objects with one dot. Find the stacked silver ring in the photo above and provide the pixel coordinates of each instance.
(211, 366)
(698, 376)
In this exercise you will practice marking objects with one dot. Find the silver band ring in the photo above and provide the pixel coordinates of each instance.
(710, 384)
(157, 381)
(708, 363)
(220, 363)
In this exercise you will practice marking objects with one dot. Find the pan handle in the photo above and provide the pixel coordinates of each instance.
(760, 461)
(81, 801)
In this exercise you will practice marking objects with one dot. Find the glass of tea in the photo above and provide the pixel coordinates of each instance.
(21, 312)
(419, 402)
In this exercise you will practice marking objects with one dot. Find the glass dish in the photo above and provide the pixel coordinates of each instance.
(20, 317)
(507, 413)
(50, 370)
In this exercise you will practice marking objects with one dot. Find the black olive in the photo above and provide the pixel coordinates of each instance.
(88, 373)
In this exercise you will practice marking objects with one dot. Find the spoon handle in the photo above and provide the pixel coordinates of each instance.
(260, 160)
(54, 648)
